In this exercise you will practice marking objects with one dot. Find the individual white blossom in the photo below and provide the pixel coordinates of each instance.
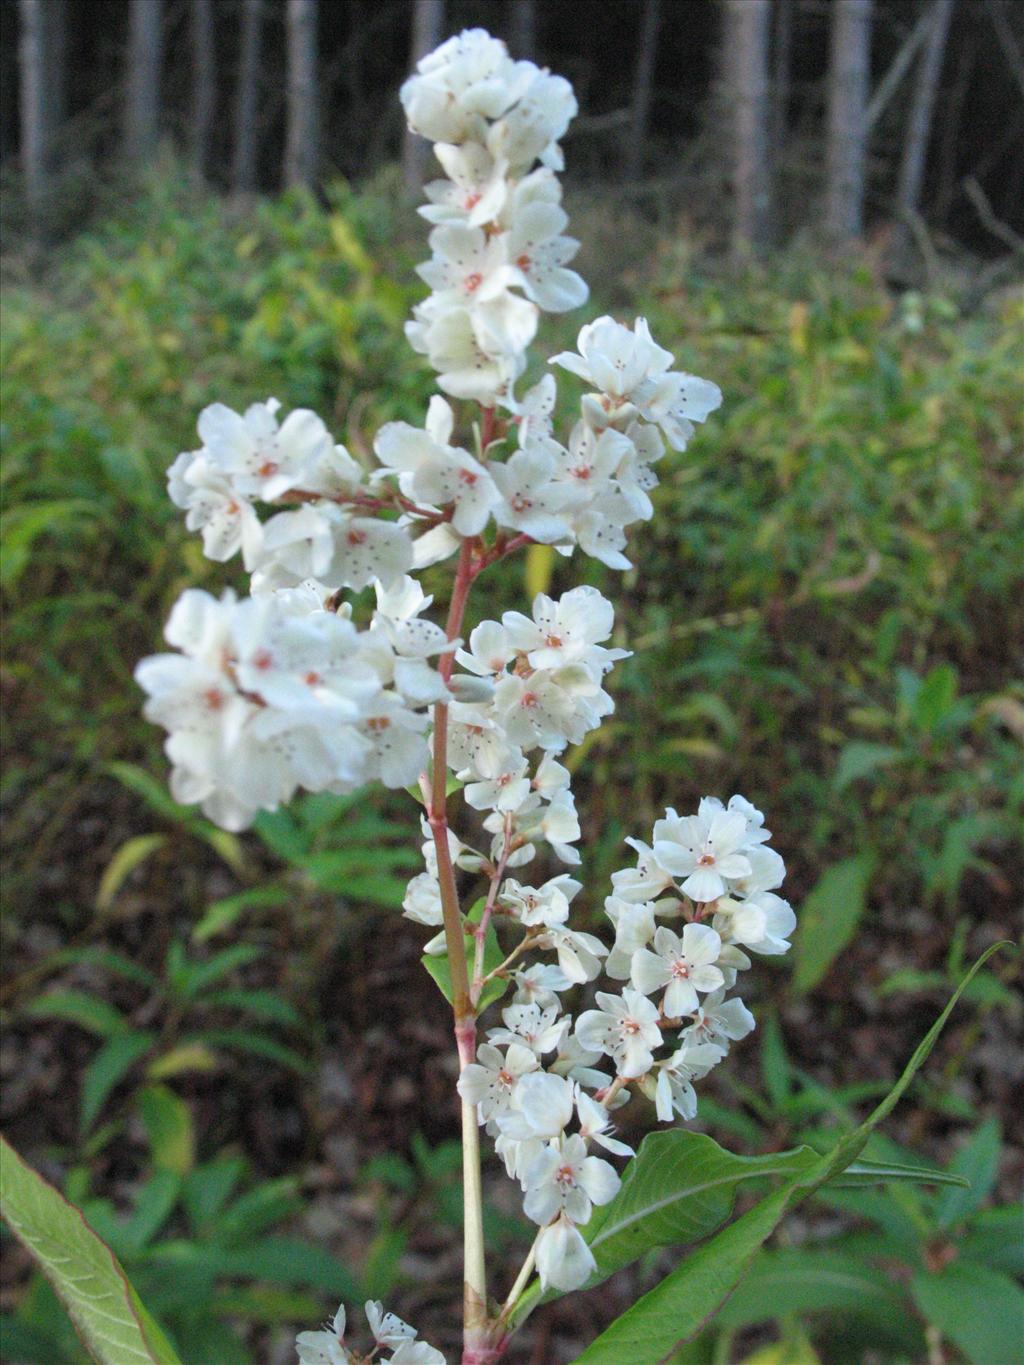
(674, 1092)
(684, 964)
(625, 1027)
(564, 1261)
(705, 849)
(490, 1081)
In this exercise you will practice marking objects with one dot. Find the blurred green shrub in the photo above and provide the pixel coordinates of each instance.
(824, 609)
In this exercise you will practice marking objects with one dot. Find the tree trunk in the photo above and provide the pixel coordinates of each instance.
(782, 61)
(849, 81)
(204, 83)
(32, 77)
(300, 157)
(142, 107)
(243, 168)
(522, 29)
(427, 26)
(643, 88)
(915, 146)
(747, 26)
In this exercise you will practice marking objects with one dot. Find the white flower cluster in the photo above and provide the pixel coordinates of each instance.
(274, 692)
(499, 258)
(389, 1332)
(499, 222)
(540, 1075)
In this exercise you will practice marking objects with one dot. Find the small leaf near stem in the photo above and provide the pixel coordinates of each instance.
(480, 933)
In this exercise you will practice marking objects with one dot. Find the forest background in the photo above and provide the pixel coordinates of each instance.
(819, 205)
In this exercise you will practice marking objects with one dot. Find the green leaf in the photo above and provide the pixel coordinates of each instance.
(189, 979)
(775, 1068)
(859, 759)
(437, 965)
(679, 1306)
(994, 1238)
(111, 1064)
(257, 1046)
(678, 1188)
(106, 1311)
(153, 1206)
(978, 1309)
(131, 854)
(935, 698)
(168, 1123)
(264, 1004)
(810, 1281)
(978, 1163)
(224, 914)
(829, 918)
(861, 1173)
(76, 1007)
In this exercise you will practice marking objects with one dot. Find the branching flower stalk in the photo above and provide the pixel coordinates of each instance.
(296, 686)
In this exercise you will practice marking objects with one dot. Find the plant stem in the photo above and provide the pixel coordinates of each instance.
(522, 1279)
(475, 1275)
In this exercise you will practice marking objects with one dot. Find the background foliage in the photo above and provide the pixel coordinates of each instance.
(826, 614)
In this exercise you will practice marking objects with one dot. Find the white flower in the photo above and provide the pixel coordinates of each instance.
(397, 747)
(577, 1062)
(531, 129)
(226, 519)
(387, 1329)
(466, 80)
(763, 922)
(489, 650)
(560, 826)
(502, 785)
(539, 984)
(719, 1021)
(532, 502)
(568, 631)
(477, 352)
(674, 1091)
(564, 1179)
(579, 955)
(475, 190)
(416, 1353)
(703, 848)
(490, 1080)
(537, 254)
(259, 458)
(634, 929)
(644, 882)
(625, 1027)
(684, 964)
(632, 373)
(326, 1347)
(547, 905)
(541, 1030)
(564, 1261)
(534, 409)
(468, 266)
(433, 472)
(595, 1123)
(541, 1107)
(422, 901)
(325, 542)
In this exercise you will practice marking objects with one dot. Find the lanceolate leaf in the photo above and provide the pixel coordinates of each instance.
(679, 1306)
(681, 1187)
(106, 1311)
(979, 1309)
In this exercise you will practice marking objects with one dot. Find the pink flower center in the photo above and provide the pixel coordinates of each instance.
(680, 969)
(706, 860)
(378, 723)
(473, 282)
(213, 699)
